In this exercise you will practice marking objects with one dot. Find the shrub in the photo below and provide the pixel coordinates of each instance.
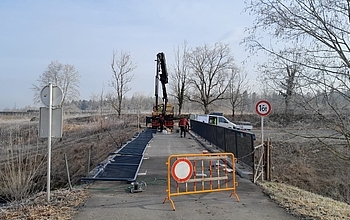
(20, 166)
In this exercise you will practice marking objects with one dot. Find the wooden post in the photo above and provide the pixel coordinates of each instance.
(89, 160)
(69, 182)
(268, 160)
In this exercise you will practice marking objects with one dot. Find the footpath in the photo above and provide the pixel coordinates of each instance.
(112, 200)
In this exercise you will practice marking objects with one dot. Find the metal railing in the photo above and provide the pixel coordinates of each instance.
(238, 142)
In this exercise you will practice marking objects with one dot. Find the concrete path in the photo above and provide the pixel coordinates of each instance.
(110, 200)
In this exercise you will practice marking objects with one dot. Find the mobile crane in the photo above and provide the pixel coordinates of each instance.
(162, 114)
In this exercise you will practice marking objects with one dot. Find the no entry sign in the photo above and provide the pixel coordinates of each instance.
(182, 170)
(263, 108)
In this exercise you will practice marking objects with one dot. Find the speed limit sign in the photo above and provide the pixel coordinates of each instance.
(263, 108)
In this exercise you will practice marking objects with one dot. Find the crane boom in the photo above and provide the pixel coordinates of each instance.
(163, 114)
(162, 76)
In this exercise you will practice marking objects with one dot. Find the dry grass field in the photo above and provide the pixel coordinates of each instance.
(86, 141)
(307, 179)
(304, 163)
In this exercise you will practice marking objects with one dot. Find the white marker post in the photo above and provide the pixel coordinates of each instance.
(49, 145)
(262, 108)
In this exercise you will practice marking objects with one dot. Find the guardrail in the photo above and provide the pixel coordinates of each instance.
(238, 142)
(200, 173)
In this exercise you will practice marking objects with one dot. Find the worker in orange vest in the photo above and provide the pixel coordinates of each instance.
(184, 125)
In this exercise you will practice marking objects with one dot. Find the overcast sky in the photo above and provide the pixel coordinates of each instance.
(85, 33)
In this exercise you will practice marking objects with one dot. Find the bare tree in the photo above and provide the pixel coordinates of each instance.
(179, 78)
(209, 73)
(122, 67)
(320, 30)
(63, 75)
(137, 102)
(283, 76)
(237, 85)
(246, 102)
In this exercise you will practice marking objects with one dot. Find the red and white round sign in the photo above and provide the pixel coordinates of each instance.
(182, 170)
(263, 108)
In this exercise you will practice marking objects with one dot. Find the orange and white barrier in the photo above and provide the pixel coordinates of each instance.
(200, 173)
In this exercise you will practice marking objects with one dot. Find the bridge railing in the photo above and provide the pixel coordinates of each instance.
(238, 142)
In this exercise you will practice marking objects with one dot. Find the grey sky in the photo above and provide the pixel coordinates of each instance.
(85, 33)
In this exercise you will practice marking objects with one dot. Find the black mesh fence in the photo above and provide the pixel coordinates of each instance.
(238, 142)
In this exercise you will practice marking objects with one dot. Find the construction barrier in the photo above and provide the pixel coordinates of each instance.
(200, 173)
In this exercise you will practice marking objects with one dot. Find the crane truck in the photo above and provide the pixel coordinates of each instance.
(163, 113)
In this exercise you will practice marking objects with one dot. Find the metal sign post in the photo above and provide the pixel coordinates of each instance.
(262, 108)
(51, 96)
(49, 145)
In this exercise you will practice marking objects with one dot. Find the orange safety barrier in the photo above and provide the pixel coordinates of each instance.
(200, 173)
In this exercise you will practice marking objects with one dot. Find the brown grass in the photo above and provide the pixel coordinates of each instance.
(308, 166)
(23, 154)
(62, 206)
(20, 163)
(306, 204)
(18, 173)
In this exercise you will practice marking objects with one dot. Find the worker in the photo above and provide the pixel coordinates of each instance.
(184, 125)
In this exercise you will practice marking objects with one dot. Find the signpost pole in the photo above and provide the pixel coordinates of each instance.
(50, 124)
(262, 146)
(262, 108)
(49, 146)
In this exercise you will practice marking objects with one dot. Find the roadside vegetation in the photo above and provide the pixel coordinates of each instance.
(300, 161)
(86, 139)
(304, 204)
(21, 164)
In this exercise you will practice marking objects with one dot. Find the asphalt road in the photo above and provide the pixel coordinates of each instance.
(111, 200)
